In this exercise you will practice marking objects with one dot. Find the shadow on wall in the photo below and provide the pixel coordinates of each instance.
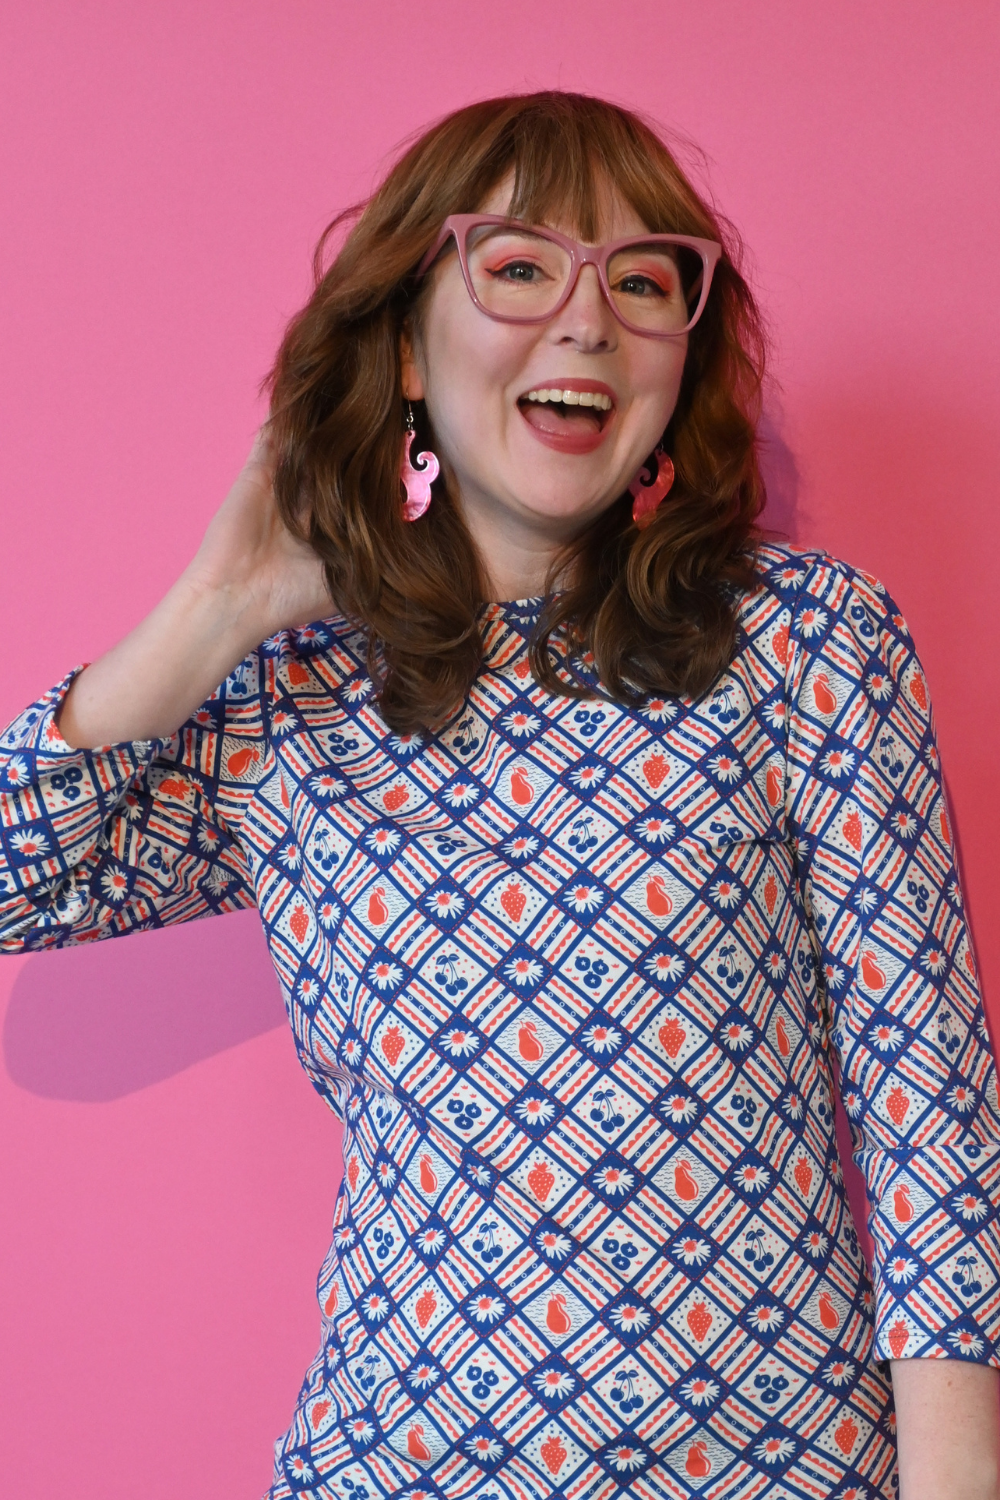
(99, 1021)
(781, 475)
(95, 1022)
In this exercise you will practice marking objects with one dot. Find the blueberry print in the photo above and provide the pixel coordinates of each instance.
(614, 1293)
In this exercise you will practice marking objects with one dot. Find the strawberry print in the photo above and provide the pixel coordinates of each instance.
(699, 1320)
(898, 1104)
(513, 901)
(654, 769)
(672, 1036)
(706, 943)
(541, 1181)
(845, 1435)
(899, 1337)
(392, 1045)
(554, 1455)
(426, 1307)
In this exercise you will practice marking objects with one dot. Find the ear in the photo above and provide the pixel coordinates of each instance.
(412, 379)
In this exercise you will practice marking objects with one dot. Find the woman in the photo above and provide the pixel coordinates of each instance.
(592, 837)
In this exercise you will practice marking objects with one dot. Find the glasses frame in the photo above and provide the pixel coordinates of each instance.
(459, 226)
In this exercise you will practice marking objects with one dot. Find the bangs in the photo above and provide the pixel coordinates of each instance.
(569, 153)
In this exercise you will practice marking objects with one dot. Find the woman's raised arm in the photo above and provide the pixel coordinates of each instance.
(249, 578)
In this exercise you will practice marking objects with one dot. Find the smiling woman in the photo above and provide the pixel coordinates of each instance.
(678, 367)
(593, 839)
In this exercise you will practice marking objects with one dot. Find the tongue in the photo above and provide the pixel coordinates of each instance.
(554, 417)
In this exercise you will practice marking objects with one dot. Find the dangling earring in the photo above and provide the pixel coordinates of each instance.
(416, 482)
(648, 492)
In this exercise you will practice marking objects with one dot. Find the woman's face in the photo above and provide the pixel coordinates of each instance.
(520, 466)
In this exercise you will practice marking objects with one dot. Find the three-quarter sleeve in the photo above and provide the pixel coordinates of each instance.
(876, 858)
(95, 843)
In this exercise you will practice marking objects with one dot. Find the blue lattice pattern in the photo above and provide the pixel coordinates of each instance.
(579, 979)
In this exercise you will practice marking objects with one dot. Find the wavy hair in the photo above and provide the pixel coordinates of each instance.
(654, 609)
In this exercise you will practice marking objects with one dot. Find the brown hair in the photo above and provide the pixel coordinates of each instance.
(654, 607)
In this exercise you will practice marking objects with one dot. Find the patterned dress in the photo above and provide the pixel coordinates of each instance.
(580, 981)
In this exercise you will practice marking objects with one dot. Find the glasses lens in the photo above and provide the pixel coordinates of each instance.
(656, 287)
(516, 274)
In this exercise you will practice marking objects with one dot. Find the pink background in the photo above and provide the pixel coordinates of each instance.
(168, 1174)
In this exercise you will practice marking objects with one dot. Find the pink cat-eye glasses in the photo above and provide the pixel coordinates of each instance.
(655, 284)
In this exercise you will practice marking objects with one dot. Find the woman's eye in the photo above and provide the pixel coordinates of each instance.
(516, 270)
(641, 286)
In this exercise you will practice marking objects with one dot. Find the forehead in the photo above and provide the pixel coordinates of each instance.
(611, 213)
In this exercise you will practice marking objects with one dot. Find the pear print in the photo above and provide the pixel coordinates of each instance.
(528, 1044)
(658, 897)
(521, 789)
(557, 1319)
(697, 1463)
(901, 1205)
(828, 1313)
(873, 975)
(428, 1176)
(685, 1185)
(823, 696)
(378, 912)
(784, 1045)
(415, 1445)
(240, 761)
(775, 786)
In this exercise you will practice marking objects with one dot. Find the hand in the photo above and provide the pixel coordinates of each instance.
(249, 578)
(273, 579)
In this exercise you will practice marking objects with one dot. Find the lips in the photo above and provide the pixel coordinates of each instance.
(571, 416)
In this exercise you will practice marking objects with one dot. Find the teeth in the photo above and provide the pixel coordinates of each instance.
(596, 399)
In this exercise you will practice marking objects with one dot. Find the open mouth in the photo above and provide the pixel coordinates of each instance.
(568, 417)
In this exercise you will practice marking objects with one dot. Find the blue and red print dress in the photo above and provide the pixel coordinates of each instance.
(580, 981)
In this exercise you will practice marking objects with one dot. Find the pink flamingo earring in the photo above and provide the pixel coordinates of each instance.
(416, 482)
(648, 492)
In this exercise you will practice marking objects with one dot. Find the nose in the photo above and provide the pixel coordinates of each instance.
(586, 320)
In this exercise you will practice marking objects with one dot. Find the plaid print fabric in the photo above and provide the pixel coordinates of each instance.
(579, 979)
